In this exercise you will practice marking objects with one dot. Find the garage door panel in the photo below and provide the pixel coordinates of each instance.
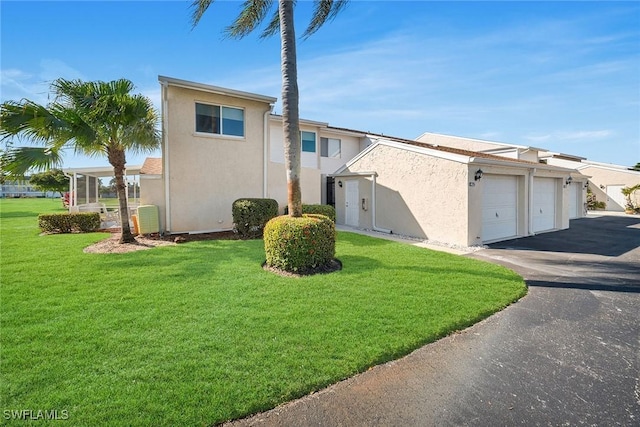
(499, 209)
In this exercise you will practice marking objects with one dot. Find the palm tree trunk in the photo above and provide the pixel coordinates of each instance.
(118, 161)
(290, 114)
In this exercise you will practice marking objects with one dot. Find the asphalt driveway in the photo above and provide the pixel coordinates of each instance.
(566, 354)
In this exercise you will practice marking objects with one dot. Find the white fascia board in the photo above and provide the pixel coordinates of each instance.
(542, 166)
(170, 81)
(460, 158)
(102, 171)
(346, 174)
(504, 144)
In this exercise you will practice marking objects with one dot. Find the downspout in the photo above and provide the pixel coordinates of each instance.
(373, 206)
(165, 155)
(265, 153)
(532, 171)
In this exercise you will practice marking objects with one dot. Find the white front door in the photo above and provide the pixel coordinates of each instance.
(615, 199)
(352, 208)
(499, 207)
(544, 204)
(574, 191)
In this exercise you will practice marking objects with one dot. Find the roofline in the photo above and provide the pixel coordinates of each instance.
(563, 156)
(216, 89)
(465, 158)
(504, 144)
(302, 121)
(607, 166)
(102, 171)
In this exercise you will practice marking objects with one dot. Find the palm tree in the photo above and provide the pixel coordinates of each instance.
(94, 118)
(254, 13)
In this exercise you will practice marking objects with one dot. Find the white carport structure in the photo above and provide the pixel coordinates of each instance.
(84, 183)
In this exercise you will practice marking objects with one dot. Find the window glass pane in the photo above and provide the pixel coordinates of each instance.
(324, 147)
(330, 147)
(207, 118)
(308, 141)
(232, 121)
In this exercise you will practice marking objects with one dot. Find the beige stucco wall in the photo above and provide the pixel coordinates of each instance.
(416, 195)
(208, 172)
(309, 184)
(603, 176)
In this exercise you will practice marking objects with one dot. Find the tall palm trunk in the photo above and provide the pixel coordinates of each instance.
(290, 114)
(118, 161)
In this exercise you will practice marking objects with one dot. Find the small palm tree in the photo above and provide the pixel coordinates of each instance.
(252, 15)
(94, 118)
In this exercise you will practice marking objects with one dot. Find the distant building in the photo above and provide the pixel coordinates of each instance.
(22, 188)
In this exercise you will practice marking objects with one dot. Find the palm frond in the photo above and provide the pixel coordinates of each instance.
(324, 10)
(19, 160)
(274, 26)
(252, 14)
(199, 8)
(29, 119)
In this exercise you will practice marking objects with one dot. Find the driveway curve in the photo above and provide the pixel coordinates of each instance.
(568, 353)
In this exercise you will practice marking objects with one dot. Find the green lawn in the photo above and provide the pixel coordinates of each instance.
(198, 333)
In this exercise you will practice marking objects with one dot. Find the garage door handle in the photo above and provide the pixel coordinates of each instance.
(497, 216)
(540, 210)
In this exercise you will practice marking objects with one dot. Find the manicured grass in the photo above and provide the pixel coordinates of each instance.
(198, 333)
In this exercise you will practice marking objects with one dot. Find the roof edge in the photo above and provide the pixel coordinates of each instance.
(216, 89)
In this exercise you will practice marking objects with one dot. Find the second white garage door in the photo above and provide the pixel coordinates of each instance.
(499, 207)
(544, 204)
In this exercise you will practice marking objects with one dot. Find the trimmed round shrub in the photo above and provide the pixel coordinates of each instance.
(326, 210)
(299, 244)
(251, 215)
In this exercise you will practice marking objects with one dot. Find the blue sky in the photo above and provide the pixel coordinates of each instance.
(558, 75)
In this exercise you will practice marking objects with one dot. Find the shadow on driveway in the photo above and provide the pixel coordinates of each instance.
(605, 235)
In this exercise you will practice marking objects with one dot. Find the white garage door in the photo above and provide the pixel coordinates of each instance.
(574, 188)
(499, 207)
(544, 204)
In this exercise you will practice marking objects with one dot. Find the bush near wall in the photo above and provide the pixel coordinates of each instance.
(299, 244)
(326, 210)
(251, 215)
(83, 222)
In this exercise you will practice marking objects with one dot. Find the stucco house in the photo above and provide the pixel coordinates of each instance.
(454, 195)
(605, 180)
(221, 144)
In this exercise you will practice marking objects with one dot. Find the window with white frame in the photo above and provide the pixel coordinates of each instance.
(330, 147)
(308, 140)
(219, 120)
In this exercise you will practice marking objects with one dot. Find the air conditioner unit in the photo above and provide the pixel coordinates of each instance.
(148, 221)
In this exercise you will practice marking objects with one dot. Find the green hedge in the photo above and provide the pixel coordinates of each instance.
(325, 210)
(299, 244)
(67, 223)
(251, 215)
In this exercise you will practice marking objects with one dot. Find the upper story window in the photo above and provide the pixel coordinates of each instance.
(330, 147)
(308, 140)
(219, 120)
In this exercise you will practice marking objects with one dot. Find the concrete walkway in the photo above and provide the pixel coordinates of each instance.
(566, 354)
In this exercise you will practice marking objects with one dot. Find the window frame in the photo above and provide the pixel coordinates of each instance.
(220, 118)
(326, 138)
(315, 142)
